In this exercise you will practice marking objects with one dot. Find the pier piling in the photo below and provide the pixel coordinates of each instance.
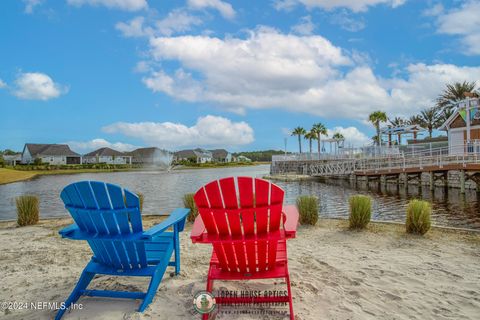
(462, 181)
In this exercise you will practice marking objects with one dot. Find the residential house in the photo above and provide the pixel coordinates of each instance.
(50, 153)
(221, 155)
(107, 155)
(243, 159)
(151, 156)
(197, 155)
(463, 128)
(12, 160)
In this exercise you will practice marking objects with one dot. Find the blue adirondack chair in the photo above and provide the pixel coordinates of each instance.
(108, 218)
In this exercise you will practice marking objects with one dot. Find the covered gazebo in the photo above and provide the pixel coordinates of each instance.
(401, 130)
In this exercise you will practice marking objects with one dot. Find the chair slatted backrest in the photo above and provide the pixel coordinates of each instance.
(254, 214)
(102, 209)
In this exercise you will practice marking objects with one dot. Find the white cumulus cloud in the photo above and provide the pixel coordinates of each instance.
(353, 5)
(352, 135)
(2, 84)
(464, 22)
(225, 8)
(176, 21)
(94, 144)
(208, 131)
(305, 26)
(30, 5)
(37, 86)
(309, 74)
(127, 5)
(134, 28)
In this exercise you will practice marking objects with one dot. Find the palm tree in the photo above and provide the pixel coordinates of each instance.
(398, 122)
(299, 131)
(337, 136)
(319, 128)
(429, 118)
(376, 118)
(444, 115)
(454, 93)
(310, 135)
(414, 120)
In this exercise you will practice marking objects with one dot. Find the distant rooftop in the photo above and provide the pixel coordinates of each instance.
(37, 149)
(104, 152)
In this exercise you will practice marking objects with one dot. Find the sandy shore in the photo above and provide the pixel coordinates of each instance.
(380, 273)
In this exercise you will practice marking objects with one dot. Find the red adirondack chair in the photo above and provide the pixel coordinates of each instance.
(248, 233)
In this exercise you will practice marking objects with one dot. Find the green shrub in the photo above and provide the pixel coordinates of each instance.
(189, 202)
(27, 210)
(360, 211)
(308, 209)
(418, 217)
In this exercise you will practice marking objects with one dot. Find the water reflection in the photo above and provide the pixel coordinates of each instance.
(450, 207)
(163, 191)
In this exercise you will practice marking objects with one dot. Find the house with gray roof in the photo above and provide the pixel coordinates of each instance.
(151, 156)
(221, 155)
(107, 155)
(197, 155)
(50, 153)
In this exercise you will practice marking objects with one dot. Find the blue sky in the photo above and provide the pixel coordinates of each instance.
(233, 74)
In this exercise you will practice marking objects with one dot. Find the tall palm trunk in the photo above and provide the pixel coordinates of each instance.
(300, 143)
(377, 126)
(319, 144)
(310, 142)
(399, 139)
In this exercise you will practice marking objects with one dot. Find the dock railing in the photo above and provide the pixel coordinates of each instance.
(337, 166)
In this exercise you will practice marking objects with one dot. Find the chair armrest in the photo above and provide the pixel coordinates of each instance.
(290, 215)
(176, 218)
(65, 232)
(197, 230)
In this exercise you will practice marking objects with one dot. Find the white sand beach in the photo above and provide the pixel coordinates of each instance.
(380, 273)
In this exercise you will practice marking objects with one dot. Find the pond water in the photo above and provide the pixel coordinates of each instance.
(163, 192)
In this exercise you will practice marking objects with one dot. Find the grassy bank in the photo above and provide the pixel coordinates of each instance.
(11, 175)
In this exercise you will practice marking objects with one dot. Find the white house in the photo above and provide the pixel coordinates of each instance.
(107, 155)
(243, 159)
(199, 155)
(49, 153)
(12, 160)
(463, 127)
(151, 156)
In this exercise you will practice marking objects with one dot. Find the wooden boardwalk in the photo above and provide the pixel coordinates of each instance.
(439, 164)
(427, 168)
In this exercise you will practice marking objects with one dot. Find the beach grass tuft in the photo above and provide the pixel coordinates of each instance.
(308, 209)
(360, 211)
(141, 198)
(418, 217)
(28, 212)
(189, 202)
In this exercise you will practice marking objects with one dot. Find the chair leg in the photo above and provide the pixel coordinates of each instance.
(290, 301)
(154, 283)
(209, 289)
(177, 250)
(82, 284)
